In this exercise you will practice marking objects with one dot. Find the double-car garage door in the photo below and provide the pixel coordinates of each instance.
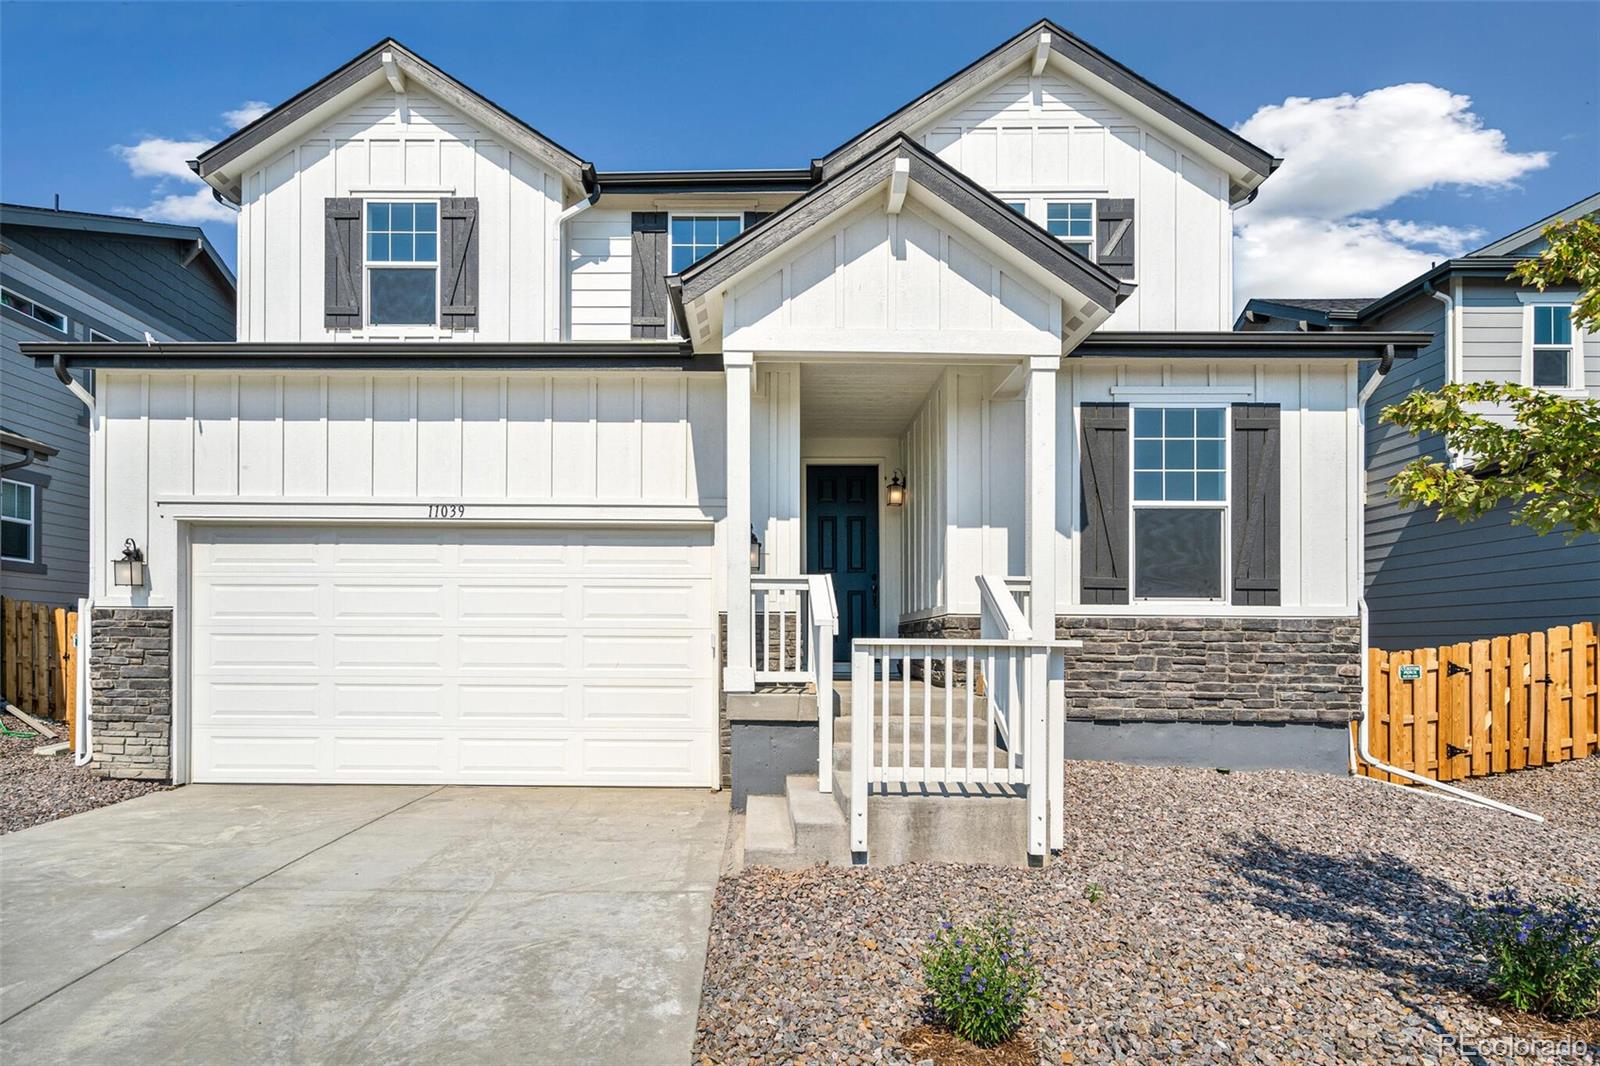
(452, 654)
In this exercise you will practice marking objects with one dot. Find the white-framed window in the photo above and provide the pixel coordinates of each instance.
(17, 540)
(1553, 355)
(1072, 222)
(696, 236)
(402, 263)
(34, 309)
(1180, 503)
(1019, 206)
(96, 337)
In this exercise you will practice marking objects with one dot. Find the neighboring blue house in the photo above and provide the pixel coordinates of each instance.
(66, 275)
(1439, 581)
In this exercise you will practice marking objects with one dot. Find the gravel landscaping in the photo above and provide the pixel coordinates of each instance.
(36, 788)
(1193, 917)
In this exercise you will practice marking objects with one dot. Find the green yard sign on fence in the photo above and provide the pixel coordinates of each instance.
(1410, 673)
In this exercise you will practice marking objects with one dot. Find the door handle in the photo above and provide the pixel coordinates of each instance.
(874, 590)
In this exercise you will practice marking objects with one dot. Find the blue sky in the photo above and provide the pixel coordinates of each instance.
(708, 85)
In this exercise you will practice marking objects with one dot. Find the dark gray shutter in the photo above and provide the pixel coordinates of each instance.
(342, 256)
(1114, 236)
(649, 275)
(458, 259)
(753, 217)
(1103, 464)
(1257, 504)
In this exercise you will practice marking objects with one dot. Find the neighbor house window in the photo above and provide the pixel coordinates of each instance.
(34, 310)
(1552, 346)
(1019, 206)
(1073, 222)
(16, 522)
(697, 236)
(1180, 502)
(403, 263)
(96, 337)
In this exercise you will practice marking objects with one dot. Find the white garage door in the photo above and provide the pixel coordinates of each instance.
(484, 656)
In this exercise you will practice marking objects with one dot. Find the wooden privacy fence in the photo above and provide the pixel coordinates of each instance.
(39, 657)
(1467, 710)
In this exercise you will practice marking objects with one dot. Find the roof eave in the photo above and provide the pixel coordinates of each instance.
(413, 355)
(1224, 344)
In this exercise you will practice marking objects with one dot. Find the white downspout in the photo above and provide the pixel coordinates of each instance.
(564, 311)
(1363, 733)
(1452, 367)
(83, 751)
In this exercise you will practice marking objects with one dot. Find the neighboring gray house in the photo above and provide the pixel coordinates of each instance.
(1439, 581)
(81, 277)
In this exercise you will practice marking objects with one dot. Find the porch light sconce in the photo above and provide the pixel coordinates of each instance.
(129, 570)
(895, 495)
(756, 553)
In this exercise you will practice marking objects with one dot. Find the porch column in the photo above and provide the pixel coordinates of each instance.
(740, 673)
(1045, 718)
(1039, 508)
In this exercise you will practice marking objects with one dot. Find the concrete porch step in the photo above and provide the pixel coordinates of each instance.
(800, 828)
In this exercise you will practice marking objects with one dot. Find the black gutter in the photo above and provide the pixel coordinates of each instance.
(671, 181)
(1234, 345)
(375, 355)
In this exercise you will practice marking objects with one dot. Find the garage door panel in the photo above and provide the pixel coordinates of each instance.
(362, 602)
(522, 604)
(258, 651)
(512, 704)
(446, 653)
(258, 601)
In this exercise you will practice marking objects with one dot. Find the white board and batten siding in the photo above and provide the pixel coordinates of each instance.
(1049, 138)
(599, 275)
(573, 447)
(909, 283)
(966, 519)
(407, 146)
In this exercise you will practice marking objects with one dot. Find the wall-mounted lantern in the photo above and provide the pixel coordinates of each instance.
(896, 493)
(756, 554)
(129, 570)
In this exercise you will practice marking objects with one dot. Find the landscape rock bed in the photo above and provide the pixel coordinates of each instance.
(1192, 917)
(35, 788)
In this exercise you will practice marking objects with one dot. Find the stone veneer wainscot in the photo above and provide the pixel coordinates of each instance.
(130, 680)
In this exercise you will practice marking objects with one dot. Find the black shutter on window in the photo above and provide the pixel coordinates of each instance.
(342, 261)
(458, 260)
(1106, 500)
(1257, 504)
(1114, 236)
(649, 275)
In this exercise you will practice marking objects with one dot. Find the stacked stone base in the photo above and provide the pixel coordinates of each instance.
(130, 684)
(1202, 691)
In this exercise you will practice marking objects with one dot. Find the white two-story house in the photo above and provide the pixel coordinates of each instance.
(524, 471)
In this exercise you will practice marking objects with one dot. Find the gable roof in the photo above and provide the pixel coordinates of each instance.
(932, 174)
(116, 225)
(1512, 242)
(217, 165)
(1249, 164)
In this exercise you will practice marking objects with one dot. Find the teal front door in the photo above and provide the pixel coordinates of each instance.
(842, 542)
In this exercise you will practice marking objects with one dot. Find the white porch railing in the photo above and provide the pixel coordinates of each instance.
(1019, 588)
(979, 715)
(793, 623)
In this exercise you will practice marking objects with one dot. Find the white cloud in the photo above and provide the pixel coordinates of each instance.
(166, 160)
(246, 113)
(1317, 229)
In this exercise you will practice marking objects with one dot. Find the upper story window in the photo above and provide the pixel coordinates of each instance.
(17, 541)
(1019, 206)
(697, 236)
(1180, 502)
(1073, 222)
(34, 310)
(402, 263)
(1554, 359)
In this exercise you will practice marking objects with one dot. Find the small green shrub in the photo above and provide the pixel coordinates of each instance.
(982, 978)
(1092, 892)
(1543, 952)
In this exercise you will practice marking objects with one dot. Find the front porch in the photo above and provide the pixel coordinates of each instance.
(888, 688)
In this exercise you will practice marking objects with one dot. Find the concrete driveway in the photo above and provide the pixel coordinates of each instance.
(245, 923)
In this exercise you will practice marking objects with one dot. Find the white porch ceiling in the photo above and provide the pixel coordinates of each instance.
(862, 400)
